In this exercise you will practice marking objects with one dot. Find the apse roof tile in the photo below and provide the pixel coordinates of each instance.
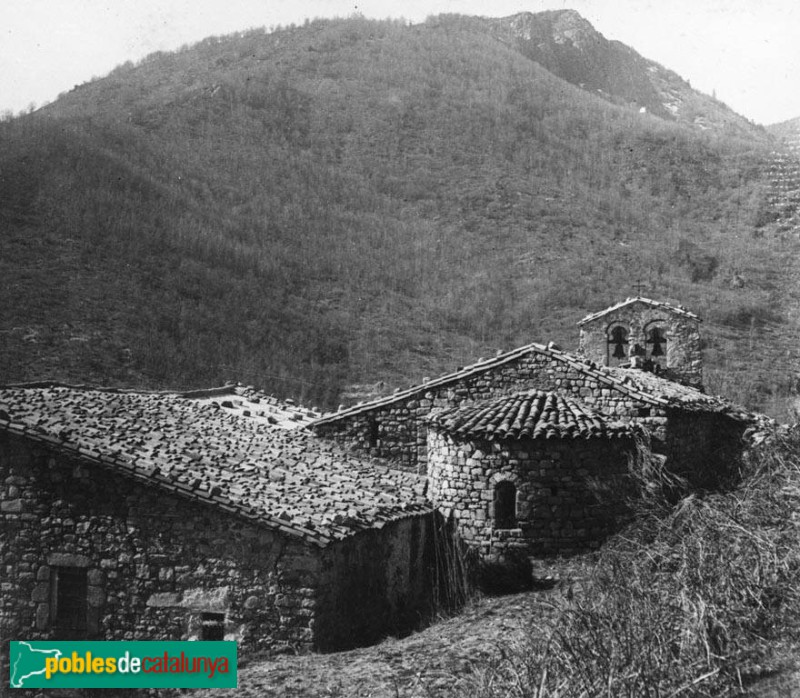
(534, 414)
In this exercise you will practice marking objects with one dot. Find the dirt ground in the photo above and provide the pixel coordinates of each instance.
(428, 663)
(441, 660)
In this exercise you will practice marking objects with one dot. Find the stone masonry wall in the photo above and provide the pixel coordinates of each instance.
(154, 562)
(684, 359)
(706, 447)
(570, 493)
(377, 583)
(396, 431)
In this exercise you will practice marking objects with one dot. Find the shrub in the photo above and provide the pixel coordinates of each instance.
(751, 315)
(701, 265)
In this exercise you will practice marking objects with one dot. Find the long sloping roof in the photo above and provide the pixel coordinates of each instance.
(534, 414)
(203, 447)
(661, 305)
(651, 390)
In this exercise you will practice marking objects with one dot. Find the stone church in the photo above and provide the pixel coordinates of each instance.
(228, 514)
(529, 449)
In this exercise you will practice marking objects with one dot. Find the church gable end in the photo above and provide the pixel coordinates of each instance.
(642, 333)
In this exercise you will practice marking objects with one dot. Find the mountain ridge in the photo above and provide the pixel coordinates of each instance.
(570, 47)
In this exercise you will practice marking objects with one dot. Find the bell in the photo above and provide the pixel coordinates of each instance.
(657, 339)
(619, 338)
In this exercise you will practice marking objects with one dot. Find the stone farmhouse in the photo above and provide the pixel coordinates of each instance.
(204, 515)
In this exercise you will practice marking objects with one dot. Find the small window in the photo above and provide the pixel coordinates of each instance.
(212, 626)
(68, 602)
(505, 505)
(374, 434)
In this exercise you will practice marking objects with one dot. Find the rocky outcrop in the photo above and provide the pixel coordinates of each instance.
(568, 46)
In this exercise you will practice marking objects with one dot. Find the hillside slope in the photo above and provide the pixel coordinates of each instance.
(784, 177)
(351, 201)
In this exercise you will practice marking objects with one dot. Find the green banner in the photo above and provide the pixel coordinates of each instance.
(122, 664)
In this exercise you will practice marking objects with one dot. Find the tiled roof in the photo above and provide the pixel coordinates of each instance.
(236, 398)
(534, 414)
(252, 403)
(657, 392)
(195, 446)
(676, 309)
(670, 393)
(680, 396)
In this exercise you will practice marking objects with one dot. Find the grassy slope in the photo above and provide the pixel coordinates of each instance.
(354, 201)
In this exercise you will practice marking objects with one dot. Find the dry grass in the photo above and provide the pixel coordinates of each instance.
(698, 599)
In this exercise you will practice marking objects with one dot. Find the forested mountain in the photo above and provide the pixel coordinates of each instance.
(353, 201)
(787, 131)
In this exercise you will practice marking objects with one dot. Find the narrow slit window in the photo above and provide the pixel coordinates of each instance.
(505, 505)
(374, 434)
(68, 602)
(212, 626)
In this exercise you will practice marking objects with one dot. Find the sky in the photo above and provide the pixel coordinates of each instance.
(747, 52)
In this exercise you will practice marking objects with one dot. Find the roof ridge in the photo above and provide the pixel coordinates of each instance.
(477, 367)
(580, 363)
(200, 392)
(678, 309)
